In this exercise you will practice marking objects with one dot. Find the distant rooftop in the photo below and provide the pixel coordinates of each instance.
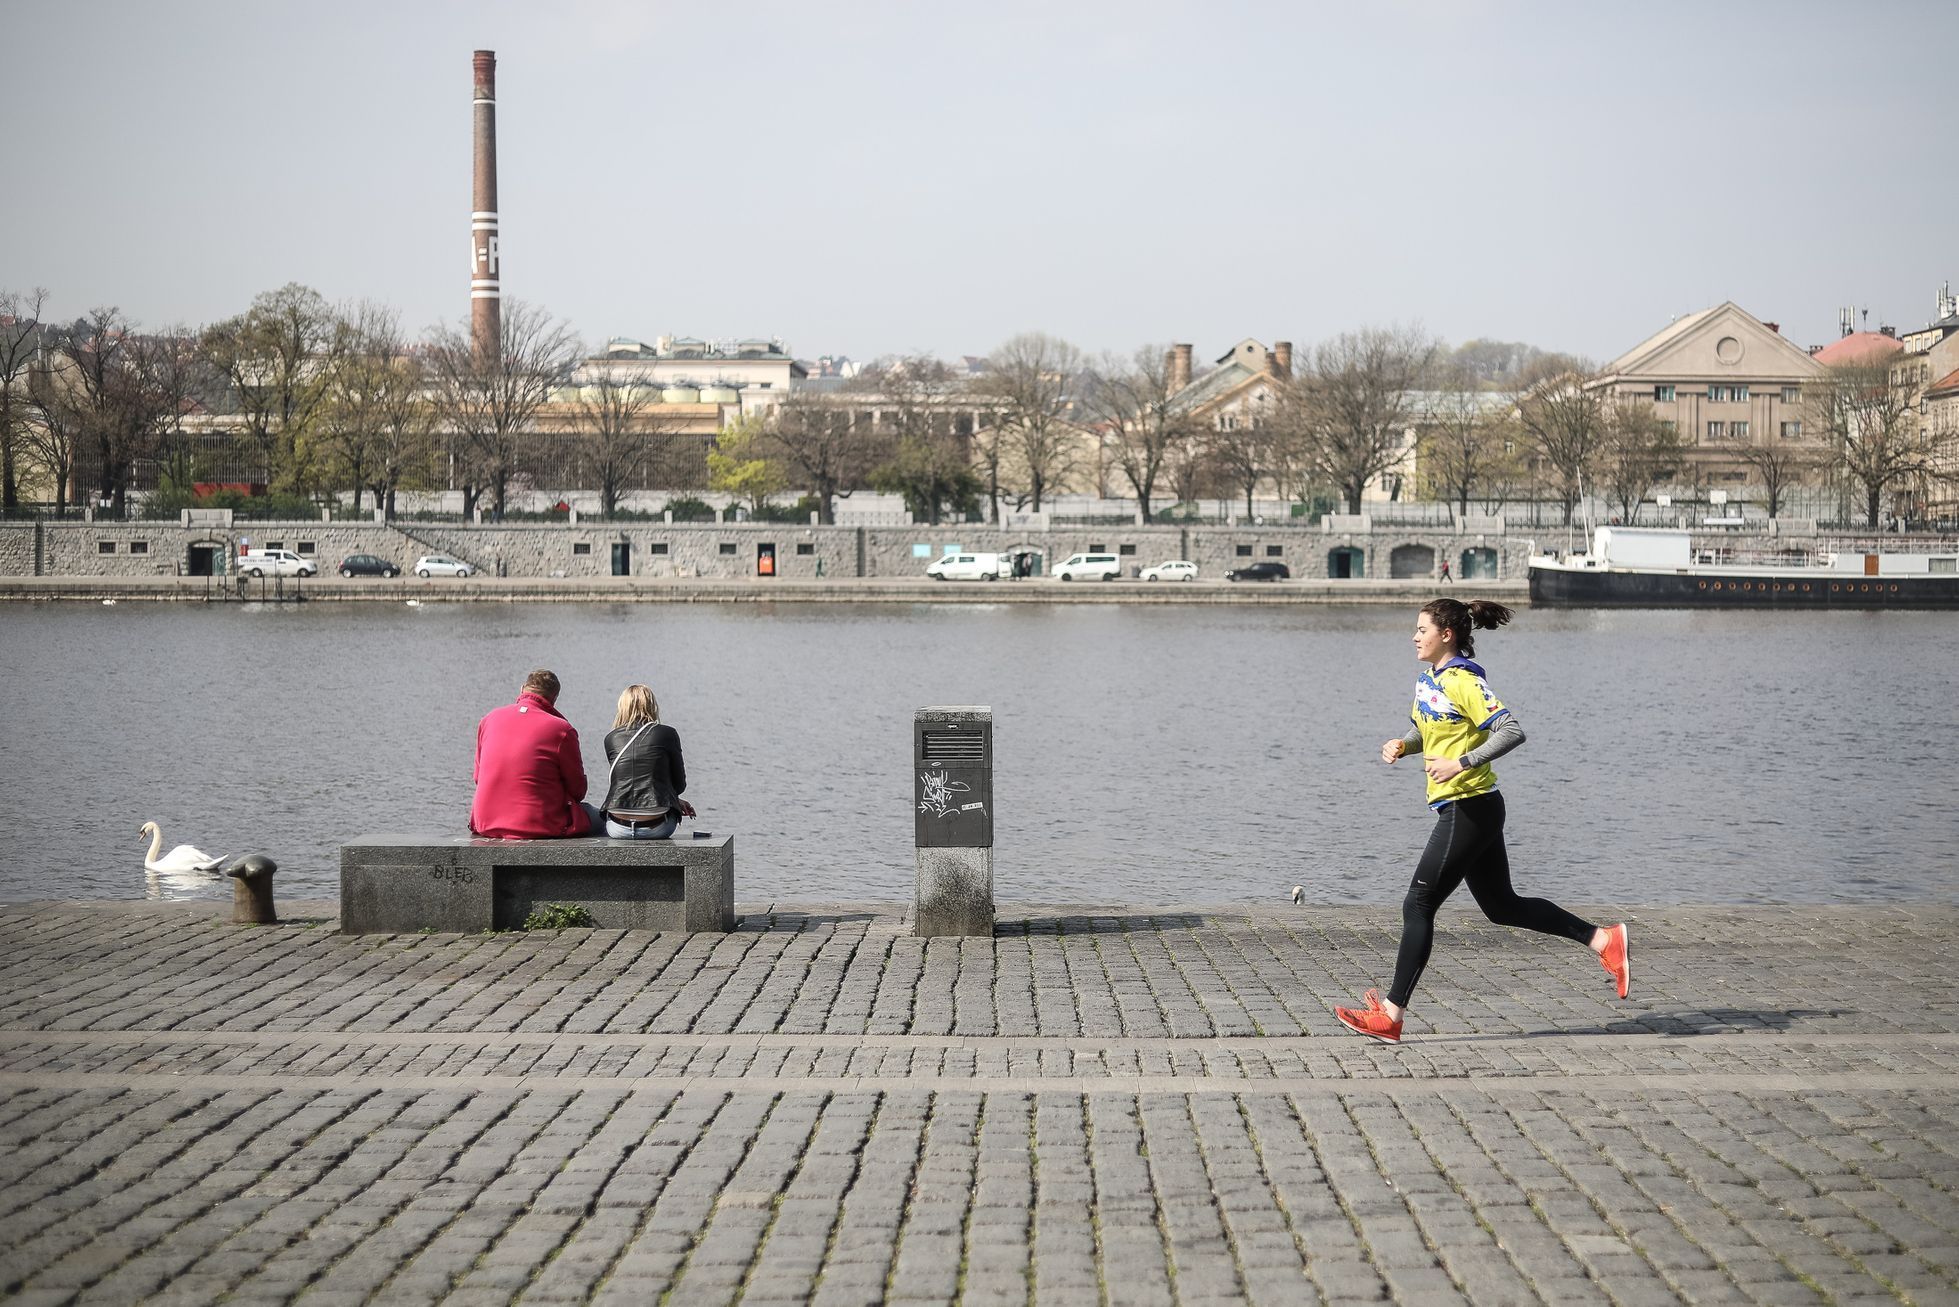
(1857, 347)
(690, 347)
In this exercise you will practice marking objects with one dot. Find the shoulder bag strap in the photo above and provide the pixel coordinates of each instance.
(622, 753)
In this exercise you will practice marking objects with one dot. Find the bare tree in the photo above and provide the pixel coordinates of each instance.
(1464, 443)
(279, 358)
(186, 384)
(1350, 412)
(1130, 400)
(618, 434)
(1562, 422)
(108, 372)
(925, 459)
(1032, 380)
(1782, 466)
(354, 419)
(819, 437)
(1875, 438)
(489, 402)
(1637, 451)
(54, 429)
(20, 341)
(404, 445)
(1245, 451)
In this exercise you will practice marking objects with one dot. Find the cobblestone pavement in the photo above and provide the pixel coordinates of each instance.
(1093, 1106)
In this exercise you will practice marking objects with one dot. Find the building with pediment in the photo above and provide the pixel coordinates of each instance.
(1726, 380)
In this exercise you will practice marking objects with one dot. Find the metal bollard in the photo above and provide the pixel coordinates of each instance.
(251, 890)
(952, 759)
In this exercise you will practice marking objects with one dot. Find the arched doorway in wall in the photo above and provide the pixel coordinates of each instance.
(1346, 563)
(1411, 562)
(1478, 564)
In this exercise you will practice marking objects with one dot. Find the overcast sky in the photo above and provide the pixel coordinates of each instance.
(871, 178)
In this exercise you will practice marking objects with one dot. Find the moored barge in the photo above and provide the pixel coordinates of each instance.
(1633, 567)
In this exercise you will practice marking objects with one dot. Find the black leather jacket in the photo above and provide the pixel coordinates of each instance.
(652, 776)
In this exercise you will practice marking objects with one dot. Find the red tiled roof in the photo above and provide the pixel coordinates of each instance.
(1857, 347)
(1948, 382)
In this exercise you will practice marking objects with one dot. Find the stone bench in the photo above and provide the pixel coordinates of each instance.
(399, 884)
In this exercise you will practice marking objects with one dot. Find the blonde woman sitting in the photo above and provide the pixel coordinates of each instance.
(642, 796)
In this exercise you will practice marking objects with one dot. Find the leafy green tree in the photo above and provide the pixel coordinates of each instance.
(739, 464)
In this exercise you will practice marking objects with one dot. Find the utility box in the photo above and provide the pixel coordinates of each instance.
(952, 800)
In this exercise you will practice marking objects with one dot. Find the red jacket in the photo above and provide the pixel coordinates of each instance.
(529, 773)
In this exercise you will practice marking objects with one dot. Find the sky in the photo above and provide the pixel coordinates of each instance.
(877, 178)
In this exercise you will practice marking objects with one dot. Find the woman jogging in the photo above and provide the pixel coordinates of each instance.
(1460, 728)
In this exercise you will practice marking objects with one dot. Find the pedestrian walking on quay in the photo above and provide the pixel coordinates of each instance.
(1445, 572)
(1461, 727)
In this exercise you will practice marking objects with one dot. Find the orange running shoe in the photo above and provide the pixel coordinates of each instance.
(1617, 957)
(1371, 1020)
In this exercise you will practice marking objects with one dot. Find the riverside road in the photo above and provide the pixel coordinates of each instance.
(1145, 1106)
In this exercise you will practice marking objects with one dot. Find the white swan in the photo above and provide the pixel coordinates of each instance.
(184, 857)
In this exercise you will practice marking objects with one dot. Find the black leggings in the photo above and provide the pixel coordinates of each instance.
(1467, 844)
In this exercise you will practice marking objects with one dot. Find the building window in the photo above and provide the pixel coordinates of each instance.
(1717, 431)
(580, 547)
(139, 546)
(727, 547)
(657, 547)
(306, 546)
(1244, 551)
(1792, 431)
(1275, 551)
(105, 546)
(1663, 394)
(1792, 394)
(1125, 550)
(1738, 394)
(1728, 394)
(275, 544)
(1738, 430)
(1227, 422)
(1098, 549)
(804, 549)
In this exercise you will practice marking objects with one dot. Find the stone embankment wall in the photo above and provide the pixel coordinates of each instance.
(732, 550)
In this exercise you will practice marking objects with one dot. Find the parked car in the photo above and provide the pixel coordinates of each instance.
(1088, 567)
(1259, 572)
(1176, 569)
(274, 562)
(442, 565)
(368, 565)
(966, 567)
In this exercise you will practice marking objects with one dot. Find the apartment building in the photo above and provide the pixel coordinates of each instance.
(1726, 380)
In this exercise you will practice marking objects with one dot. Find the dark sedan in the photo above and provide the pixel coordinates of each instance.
(368, 565)
(1259, 572)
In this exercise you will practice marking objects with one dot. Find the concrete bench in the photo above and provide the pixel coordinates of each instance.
(398, 884)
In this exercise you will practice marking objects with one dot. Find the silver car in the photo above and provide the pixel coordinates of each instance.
(442, 565)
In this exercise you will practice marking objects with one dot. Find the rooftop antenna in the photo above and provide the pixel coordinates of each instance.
(1845, 317)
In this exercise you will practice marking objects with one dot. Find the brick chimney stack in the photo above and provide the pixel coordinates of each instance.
(1179, 367)
(1282, 352)
(486, 255)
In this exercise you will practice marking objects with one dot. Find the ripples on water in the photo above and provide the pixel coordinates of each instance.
(1146, 755)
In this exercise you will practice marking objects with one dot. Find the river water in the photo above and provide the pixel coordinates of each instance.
(1146, 755)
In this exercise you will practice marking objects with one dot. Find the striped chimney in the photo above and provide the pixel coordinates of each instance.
(485, 254)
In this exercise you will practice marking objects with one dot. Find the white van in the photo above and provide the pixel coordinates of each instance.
(1089, 567)
(966, 567)
(274, 562)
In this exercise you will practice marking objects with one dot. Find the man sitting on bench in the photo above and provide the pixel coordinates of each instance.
(530, 777)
